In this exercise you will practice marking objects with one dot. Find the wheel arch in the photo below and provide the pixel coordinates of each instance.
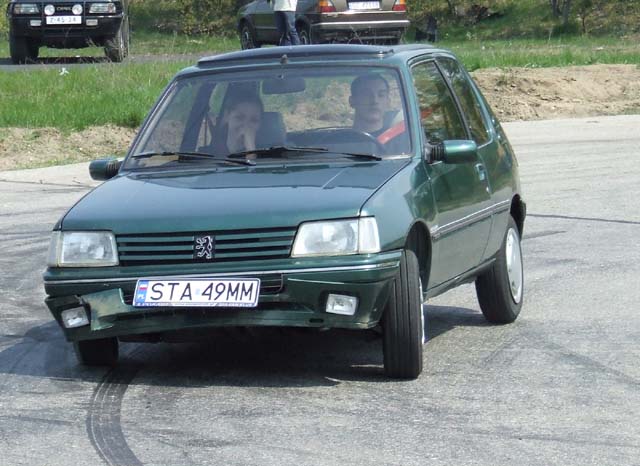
(518, 211)
(419, 241)
(241, 22)
(302, 21)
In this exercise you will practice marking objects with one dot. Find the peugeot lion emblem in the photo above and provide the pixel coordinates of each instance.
(204, 247)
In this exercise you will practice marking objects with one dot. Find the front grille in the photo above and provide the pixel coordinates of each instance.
(229, 246)
(270, 284)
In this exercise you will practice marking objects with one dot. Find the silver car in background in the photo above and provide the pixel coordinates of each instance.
(325, 21)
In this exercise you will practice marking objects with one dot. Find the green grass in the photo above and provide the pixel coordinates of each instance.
(122, 94)
(537, 53)
(82, 96)
(147, 43)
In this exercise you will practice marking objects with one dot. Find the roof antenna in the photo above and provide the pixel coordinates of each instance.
(284, 59)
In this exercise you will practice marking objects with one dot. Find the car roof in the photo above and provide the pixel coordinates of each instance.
(313, 53)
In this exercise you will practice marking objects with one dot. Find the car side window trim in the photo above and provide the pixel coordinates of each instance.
(487, 120)
(431, 59)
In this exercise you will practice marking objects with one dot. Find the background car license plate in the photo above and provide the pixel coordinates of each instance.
(64, 20)
(364, 5)
(237, 292)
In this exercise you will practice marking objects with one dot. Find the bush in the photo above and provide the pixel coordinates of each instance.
(191, 17)
(4, 28)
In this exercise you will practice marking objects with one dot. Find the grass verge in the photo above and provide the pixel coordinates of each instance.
(536, 53)
(121, 94)
(147, 43)
(78, 97)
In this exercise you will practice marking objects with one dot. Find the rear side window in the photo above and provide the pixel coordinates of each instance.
(468, 100)
(438, 111)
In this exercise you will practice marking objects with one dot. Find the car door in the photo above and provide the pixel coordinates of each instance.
(492, 149)
(264, 22)
(461, 191)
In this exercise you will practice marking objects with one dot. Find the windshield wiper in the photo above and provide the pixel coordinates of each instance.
(276, 150)
(363, 156)
(192, 155)
(279, 150)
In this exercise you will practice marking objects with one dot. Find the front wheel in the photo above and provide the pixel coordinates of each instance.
(117, 48)
(100, 352)
(22, 50)
(403, 323)
(500, 289)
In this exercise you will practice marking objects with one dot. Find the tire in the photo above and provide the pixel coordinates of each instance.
(500, 289)
(100, 352)
(20, 49)
(247, 38)
(402, 322)
(117, 48)
(34, 51)
(304, 33)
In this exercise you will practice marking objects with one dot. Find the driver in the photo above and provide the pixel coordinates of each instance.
(370, 101)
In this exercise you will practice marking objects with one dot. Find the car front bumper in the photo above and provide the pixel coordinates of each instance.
(300, 301)
(59, 35)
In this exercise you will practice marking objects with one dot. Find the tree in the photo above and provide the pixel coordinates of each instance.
(585, 7)
(561, 7)
(566, 7)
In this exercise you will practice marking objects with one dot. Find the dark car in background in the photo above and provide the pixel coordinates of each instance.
(325, 21)
(65, 24)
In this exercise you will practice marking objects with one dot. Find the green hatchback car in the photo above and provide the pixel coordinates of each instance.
(322, 186)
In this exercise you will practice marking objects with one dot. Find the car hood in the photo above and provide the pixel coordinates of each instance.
(229, 198)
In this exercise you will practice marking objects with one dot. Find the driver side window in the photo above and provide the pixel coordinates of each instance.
(439, 114)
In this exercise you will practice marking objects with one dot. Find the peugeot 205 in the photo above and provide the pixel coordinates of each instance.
(324, 186)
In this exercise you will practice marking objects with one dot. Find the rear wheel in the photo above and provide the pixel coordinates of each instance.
(403, 323)
(500, 289)
(100, 352)
(247, 39)
(304, 33)
(117, 48)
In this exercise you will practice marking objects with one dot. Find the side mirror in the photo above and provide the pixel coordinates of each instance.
(455, 152)
(104, 169)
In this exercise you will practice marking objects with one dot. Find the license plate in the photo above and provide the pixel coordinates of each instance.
(64, 19)
(364, 5)
(236, 292)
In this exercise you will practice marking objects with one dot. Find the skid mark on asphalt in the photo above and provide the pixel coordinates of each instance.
(75, 186)
(587, 219)
(104, 421)
(542, 234)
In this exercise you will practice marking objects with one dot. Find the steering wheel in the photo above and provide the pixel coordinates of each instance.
(350, 135)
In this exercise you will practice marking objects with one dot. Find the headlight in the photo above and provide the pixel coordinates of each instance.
(82, 249)
(26, 9)
(102, 8)
(336, 238)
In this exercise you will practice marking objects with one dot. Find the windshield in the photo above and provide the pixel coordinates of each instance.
(293, 114)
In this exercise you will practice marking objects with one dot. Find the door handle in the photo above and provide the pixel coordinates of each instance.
(481, 171)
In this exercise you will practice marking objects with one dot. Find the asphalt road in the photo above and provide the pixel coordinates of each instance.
(561, 386)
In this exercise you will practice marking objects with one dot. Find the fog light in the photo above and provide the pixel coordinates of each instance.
(341, 304)
(76, 317)
(35, 23)
(76, 9)
(49, 10)
(92, 22)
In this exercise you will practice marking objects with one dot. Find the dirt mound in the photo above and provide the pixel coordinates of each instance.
(569, 92)
(514, 94)
(27, 148)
